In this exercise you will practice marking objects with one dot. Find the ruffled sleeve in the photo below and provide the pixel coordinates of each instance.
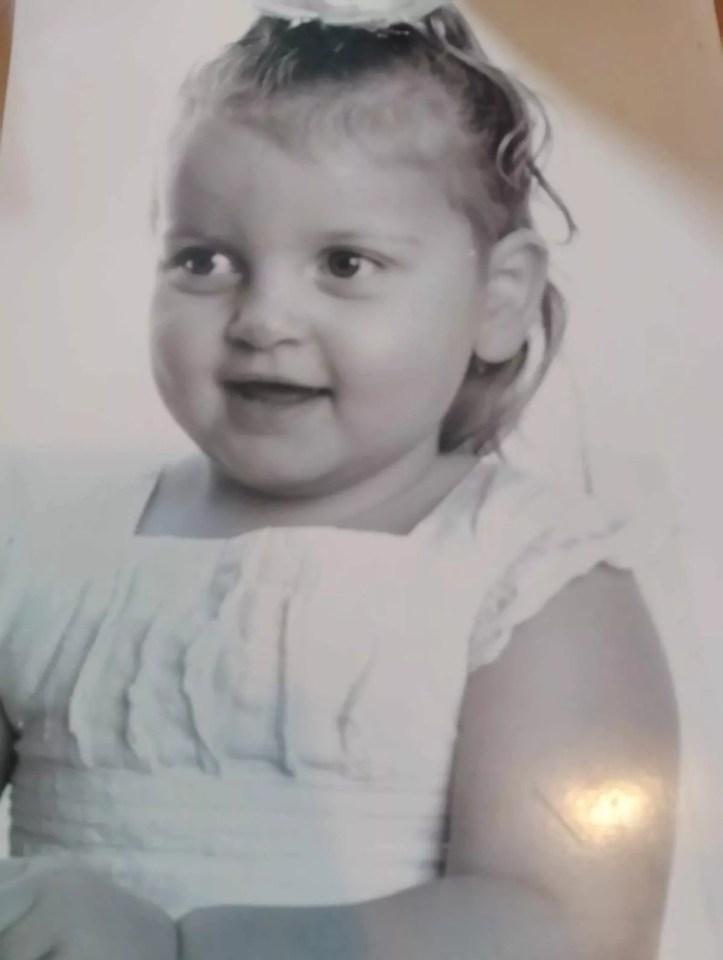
(544, 538)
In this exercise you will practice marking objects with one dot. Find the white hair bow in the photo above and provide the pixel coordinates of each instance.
(349, 12)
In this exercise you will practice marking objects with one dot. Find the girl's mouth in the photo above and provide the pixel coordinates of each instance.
(274, 393)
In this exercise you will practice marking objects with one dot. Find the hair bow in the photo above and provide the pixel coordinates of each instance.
(349, 12)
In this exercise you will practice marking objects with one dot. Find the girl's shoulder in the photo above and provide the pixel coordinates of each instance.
(532, 537)
(523, 512)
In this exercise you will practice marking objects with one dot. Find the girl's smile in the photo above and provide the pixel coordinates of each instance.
(313, 317)
(266, 406)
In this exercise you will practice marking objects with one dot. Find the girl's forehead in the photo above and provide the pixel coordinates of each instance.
(224, 169)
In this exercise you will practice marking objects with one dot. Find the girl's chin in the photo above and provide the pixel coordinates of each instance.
(268, 474)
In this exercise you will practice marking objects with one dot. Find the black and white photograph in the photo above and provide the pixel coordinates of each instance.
(359, 475)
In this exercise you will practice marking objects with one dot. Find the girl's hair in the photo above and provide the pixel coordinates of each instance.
(489, 117)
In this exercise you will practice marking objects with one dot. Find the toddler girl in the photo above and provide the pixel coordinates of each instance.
(344, 683)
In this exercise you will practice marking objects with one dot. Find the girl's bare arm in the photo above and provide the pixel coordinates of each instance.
(567, 773)
(563, 810)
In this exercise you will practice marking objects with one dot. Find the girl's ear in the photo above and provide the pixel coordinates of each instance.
(516, 282)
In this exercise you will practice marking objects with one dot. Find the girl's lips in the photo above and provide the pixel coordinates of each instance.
(267, 409)
(274, 393)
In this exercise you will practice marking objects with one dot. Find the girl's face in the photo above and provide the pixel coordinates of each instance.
(313, 319)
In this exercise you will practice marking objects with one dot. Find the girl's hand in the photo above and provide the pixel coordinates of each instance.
(67, 912)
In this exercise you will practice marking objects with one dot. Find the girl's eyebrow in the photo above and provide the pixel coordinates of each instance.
(351, 237)
(181, 234)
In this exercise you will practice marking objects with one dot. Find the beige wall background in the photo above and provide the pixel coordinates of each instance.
(649, 69)
(635, 91)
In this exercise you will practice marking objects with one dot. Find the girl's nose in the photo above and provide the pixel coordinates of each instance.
(264, 319)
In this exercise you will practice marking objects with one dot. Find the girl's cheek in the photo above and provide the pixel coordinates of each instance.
(186, 332)
(175, 310)
(170, 304)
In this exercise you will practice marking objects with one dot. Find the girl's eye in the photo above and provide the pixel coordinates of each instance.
(203, 262)
(203, 270)
(346, 264)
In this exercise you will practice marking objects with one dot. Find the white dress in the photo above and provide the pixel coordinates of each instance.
(268, 719)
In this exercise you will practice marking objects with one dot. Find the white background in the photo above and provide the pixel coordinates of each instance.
(89, 85)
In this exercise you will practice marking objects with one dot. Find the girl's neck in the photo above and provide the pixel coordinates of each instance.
(196, 499)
